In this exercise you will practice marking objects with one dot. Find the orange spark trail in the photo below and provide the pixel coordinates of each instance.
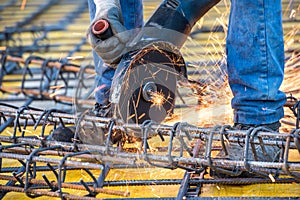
(23, 4)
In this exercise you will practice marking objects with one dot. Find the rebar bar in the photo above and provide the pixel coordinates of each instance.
(52, 64)
(280, 139)
(40, 149)
(68, 185)
(45, 193)
(272, 138)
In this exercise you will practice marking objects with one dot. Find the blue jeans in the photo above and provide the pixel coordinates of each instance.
(132, 11)
(255, 58)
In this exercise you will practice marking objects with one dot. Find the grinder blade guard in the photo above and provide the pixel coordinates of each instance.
(145, 83)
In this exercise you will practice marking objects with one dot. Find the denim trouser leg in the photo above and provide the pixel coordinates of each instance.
(255, 58)
(132, 11)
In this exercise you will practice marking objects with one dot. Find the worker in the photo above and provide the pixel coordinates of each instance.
(255, 55)
(255, 60)
(254, 47)
(123, 16)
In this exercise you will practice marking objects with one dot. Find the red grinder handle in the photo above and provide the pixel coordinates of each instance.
(102, 29)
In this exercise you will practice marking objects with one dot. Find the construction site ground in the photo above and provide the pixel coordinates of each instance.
(62, 36)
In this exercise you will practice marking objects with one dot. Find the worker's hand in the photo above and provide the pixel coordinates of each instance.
(111, 49)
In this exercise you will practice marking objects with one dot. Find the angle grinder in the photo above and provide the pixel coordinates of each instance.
(145, 80)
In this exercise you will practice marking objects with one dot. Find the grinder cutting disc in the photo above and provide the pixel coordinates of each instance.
(145, 83)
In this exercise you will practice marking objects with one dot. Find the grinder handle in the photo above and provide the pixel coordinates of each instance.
(102, 29)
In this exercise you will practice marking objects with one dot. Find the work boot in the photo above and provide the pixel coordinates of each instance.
(102, 110)
(235, 151)
(62, 134)
(86, 135)
(273, 126)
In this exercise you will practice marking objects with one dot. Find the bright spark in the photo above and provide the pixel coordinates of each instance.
(23, 5)
(158, 98)
(75, 57)
(53, 95)
(57, 87)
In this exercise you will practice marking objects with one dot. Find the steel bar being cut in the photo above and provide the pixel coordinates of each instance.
(34, 151)
(283, 140)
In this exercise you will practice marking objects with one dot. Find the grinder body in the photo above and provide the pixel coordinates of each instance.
(173, 21)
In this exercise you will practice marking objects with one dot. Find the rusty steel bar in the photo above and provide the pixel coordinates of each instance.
(86, 157)
(41, 147)
(70, 163)
(293, 166)
(198, 133)
(223, 181)
(237, 136)
(58, 65)
(194, 131)
(48, 95)
(45, 193)
(69, 186)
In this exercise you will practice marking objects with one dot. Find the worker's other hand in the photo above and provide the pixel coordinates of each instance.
(111, 49)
